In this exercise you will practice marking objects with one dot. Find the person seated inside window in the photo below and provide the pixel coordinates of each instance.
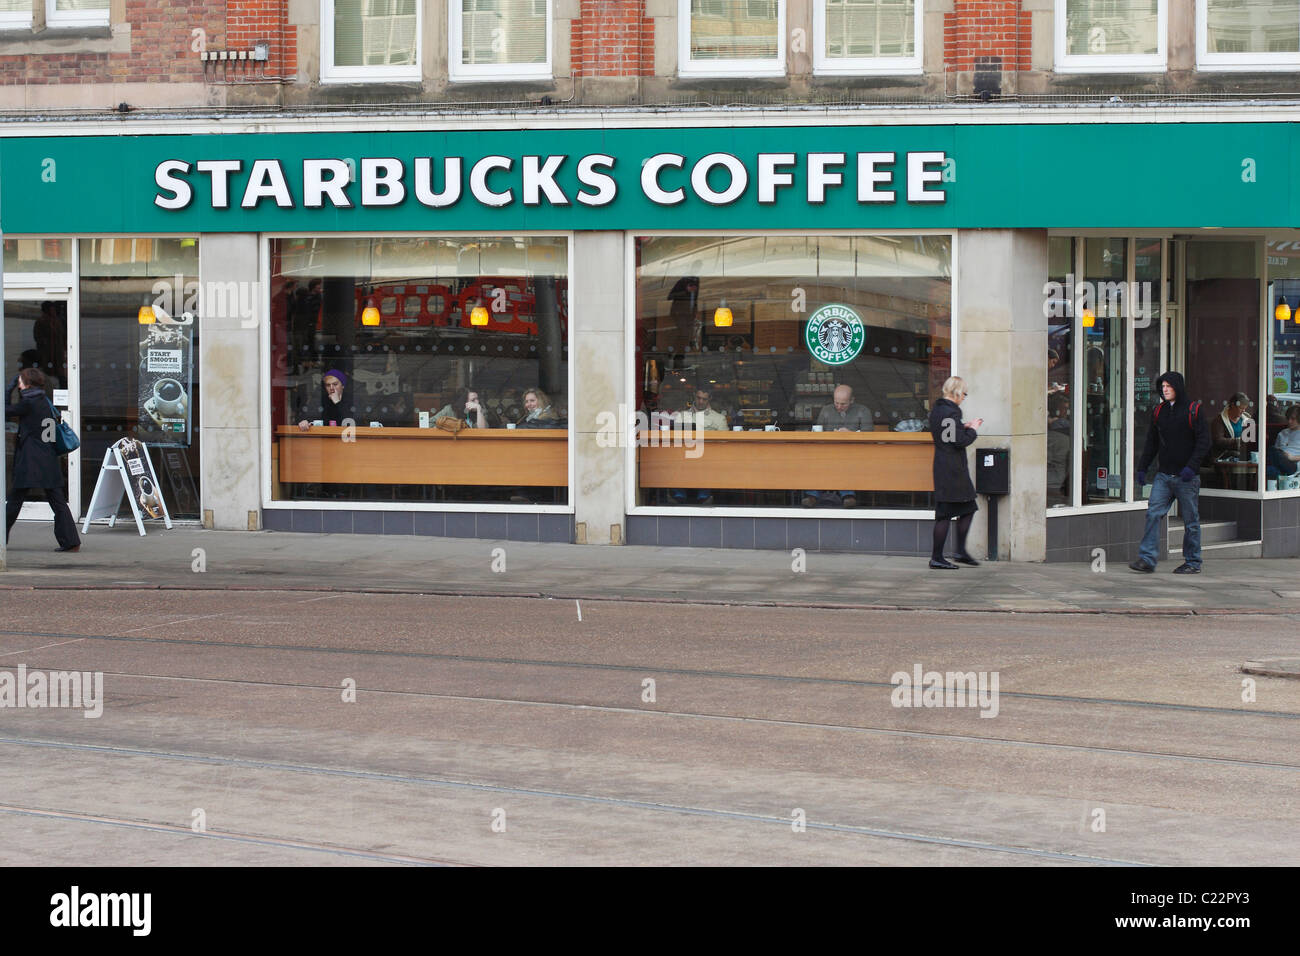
(1233, 432)
(538, 411)
(1284, 454)
(466, 406)
(701, 416)
(841, 415)
(334, 405)
(1058, 449)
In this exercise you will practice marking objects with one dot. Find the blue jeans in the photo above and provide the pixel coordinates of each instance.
(1164, 489)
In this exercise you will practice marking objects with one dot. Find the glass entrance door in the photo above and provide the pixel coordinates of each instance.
(1223, 303)
(38, 335)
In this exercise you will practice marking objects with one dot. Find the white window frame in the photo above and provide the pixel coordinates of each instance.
(329, 73)
(446, 507)
(726, 68)
(74, 18)
(1225, 62)
(1113, 63)
(865, 66)
(459, 72)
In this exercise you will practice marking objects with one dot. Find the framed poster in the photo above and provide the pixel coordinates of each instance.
(166, 362)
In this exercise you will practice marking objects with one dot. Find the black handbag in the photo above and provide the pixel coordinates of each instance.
(65, 439)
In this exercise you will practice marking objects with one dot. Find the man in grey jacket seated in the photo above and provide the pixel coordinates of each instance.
(842, 415)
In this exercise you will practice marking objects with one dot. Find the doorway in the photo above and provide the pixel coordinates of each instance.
(37, 334)
(1221, 333)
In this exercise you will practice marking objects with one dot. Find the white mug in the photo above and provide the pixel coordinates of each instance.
(1272, 484)
(817, 428)
(319, 421)
(510, 425)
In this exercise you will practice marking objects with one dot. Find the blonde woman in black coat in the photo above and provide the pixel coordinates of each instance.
(954, 494)
(36, 460)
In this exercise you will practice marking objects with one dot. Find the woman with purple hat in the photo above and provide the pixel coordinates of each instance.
(334, 407)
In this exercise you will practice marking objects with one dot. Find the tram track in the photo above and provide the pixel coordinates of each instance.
(586, 799)
(751, 719)
(640, 669)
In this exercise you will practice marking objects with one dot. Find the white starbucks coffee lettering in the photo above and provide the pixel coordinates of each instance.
(494, 181)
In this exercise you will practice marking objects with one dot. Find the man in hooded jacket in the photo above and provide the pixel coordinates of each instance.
(1178, 440)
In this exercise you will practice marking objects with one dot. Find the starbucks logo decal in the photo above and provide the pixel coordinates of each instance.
(835, 334)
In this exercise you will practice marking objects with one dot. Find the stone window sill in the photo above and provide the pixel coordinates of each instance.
(114, 39)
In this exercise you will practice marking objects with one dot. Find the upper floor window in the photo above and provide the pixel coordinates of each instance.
(1247, 34)
(370, 40)
(75, 13)
(731, 37)
(867, 36)
(500, 39)
(15, 14)
(1110, 36)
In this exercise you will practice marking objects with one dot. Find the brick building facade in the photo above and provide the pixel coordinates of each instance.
(714, 210)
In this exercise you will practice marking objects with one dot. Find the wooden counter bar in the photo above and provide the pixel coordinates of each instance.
(761, 461)
(424, 456)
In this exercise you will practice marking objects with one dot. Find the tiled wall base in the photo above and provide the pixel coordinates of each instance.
(1281, 517)
(868, 535)
(1074, 537)
(459, 524)
(1276, 522)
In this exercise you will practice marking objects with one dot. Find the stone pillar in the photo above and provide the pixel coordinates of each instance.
(230, 367)
(598, 314)
(1002, 355)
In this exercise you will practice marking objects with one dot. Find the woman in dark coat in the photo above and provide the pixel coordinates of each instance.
(954, 494)
(36, 460)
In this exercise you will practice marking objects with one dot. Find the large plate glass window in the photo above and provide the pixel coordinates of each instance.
(731, 37)
(500, 39)
(1098, 36)
(1147, 320)
(140, 379)
(420, 370)
(1281, 420)
(1062, 396)
(1102, 302)
(1241, 35)
(789, 371)
(1223, 303)
(867, 36)
(370, 40)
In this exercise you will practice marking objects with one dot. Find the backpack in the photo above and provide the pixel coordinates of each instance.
(1193, 410)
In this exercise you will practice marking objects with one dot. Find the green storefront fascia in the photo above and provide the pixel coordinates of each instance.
(1076, 176)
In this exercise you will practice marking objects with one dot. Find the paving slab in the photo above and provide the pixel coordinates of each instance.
(192, 558)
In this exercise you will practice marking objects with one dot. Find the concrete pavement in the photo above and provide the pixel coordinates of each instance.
(192, 558)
